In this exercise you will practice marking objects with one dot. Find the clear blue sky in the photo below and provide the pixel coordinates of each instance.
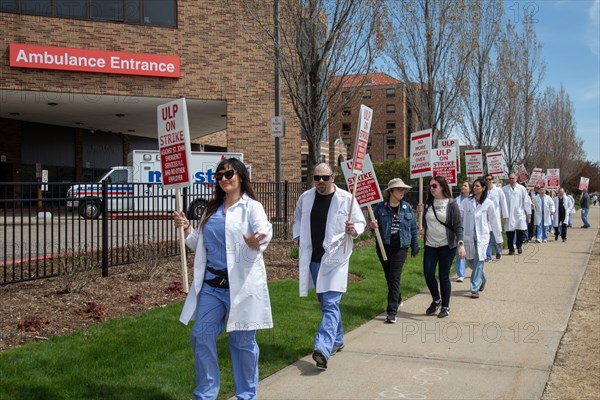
(569, 31)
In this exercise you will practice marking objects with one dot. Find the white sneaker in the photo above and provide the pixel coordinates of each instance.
(538, 241)
(401, 304)
(545, 241)
(460, 279)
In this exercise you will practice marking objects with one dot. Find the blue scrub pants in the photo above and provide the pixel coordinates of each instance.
(478, 275)
(488, 253)
(331, 331)
(211, 313)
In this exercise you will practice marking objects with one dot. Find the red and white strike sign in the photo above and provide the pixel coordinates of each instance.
(522, 175)
(362, 138)
(174, 144)
(452, 142)
(536, 179)
(496, 164)
(584, 183)
(474, 162)
(553, 178)
(368, 191)
(420, 154)
(443, 162)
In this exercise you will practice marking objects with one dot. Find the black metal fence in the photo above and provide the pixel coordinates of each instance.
(49, 228)
(46, 229)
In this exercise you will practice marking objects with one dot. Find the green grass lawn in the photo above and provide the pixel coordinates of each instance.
(149, 356)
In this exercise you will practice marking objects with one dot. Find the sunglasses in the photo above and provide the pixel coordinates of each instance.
(325, 178)
(434, 186)
(227, 174)
(489, 179)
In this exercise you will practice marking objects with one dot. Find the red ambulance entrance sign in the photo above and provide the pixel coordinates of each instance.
(174, 144)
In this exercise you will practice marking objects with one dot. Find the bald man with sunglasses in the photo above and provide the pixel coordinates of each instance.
(321, 227)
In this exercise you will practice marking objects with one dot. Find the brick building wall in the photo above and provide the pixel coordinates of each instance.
(390, 129)
(219, 61)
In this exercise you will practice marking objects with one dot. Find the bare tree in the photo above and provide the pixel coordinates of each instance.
(556, 144)
(319, 41)
(480, 106)
(430, 47)
(522, 69)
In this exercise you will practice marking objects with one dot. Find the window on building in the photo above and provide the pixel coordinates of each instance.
(150, 12)
(390, 141)
(71, 8)
(37, 7)
(390, 92)
(366, 94)
(390, 156)
(346, 128)
(160, 12)
(8, 5)
(390, 108)
(390, 125)
(346, 111)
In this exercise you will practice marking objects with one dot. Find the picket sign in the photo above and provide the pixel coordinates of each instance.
(175, 151)
(368, 191)
(584, 183)
(365, 118)
(420, 162)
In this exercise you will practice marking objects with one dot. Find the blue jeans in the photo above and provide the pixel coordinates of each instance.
(331, 331)
(460, 267)
(488, 253)
(211, 312)
(584, 214)
(478, 275)
(431, 257)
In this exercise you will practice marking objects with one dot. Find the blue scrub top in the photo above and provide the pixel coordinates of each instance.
(214, 242)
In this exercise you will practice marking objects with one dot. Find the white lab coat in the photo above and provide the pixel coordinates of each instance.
(478, 222)
(496, 196)
(568, 207)
(248, 291)
(548, 209)
(333, 273)
(518, 205)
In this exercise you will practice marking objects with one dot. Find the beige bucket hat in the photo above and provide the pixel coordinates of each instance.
(395, 183)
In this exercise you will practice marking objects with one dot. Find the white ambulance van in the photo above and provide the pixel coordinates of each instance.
(138, 188)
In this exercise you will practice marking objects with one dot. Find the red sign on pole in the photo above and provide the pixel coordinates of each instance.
(474, 162)
(452, 142)
(362, 138)
(553, 178)
(174, 144)
(444, 163)
(420, 154)
(368, 191)
(584, 183)
(496, 165)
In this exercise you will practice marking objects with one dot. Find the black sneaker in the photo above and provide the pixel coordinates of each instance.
(336, 348)
(520, 250)
(433, 307)
(498, 256)
(391, 319)
(320, 359)
(444, 312)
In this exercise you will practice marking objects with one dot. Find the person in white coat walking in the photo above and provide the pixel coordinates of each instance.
(518, 204)
(229, 290)
(321, 227)
(563, 205)
(465, 192)
(496, 196)
(479, 220)
(544, 208)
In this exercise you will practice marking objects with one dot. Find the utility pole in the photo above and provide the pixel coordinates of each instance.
(277, 112)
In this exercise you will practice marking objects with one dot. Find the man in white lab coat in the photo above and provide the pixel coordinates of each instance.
(321, 227)
(518, 204)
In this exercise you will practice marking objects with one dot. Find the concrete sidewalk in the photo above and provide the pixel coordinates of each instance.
(501, 345)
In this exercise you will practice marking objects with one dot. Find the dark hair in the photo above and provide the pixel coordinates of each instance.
(219, 198)
(485, 176)
(445, 188)
(483, 196)
(470, 185)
